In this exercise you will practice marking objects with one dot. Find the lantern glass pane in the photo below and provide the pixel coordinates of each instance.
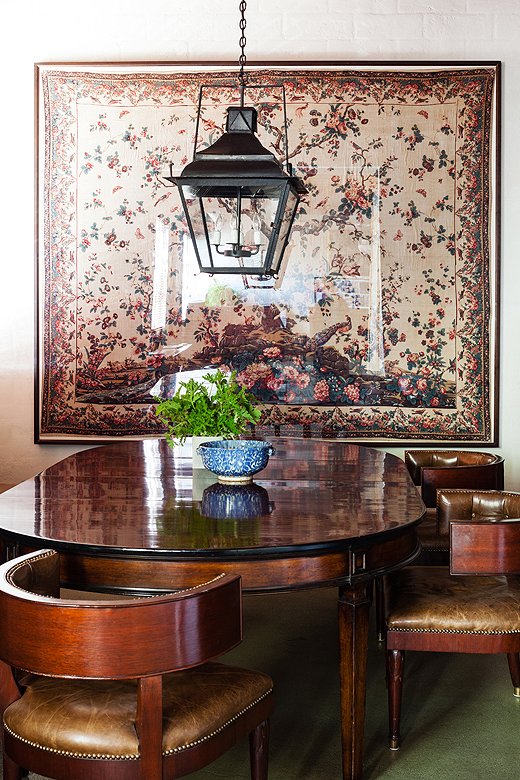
(309, 333)
(196, 222)
(233, 231)
(285, 227)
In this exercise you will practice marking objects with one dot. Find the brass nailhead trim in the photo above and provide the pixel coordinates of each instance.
(470, 491)
(15, 568)
(134, 757)
(432, 548)
(71, 754)
(451, 631)
(220, 728)
(457, 452)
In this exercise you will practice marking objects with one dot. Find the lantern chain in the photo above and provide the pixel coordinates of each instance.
(242, 43)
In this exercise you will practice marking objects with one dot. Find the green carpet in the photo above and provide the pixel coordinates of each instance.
(460, 719)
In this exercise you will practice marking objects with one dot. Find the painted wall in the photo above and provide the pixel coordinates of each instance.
(111, 30)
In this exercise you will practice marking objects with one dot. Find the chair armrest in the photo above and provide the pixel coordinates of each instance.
(434, 470)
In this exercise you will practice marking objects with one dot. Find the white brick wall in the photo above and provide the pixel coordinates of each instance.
(497, 8)
(432, 8)
(507, 26)
(61, 30)
(119, 29)
(363, 6)
(388, 26)
(301, 27)
(461, 26)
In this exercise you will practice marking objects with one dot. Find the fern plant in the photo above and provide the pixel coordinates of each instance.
(215, 406)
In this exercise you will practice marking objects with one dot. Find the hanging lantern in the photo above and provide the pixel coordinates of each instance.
(239, 202)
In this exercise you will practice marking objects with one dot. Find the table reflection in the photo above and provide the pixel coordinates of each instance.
(235, 501)
(143, 495)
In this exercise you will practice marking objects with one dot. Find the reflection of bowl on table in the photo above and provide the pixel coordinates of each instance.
(235, 461)
(235, 502)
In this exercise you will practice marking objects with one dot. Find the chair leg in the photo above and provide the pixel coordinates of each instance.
(259, 751)
(394, 675)
(11, 770)
(513, 659)
(380, 608)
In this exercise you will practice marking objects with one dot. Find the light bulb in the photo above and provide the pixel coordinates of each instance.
(257, 229)
(233, 233)
(217, 227)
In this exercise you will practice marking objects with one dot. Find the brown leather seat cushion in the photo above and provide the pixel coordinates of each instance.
(96, 718)
(428, 598)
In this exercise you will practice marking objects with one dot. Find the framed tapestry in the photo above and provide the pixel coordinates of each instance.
(382, 326)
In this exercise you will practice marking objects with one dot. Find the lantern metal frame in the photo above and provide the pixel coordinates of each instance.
(239, 168)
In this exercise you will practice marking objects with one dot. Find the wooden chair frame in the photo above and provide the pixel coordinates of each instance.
(433, 470)
(490, 548)
(139, 639)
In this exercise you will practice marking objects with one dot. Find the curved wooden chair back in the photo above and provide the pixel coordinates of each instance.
(433, 470)
(170, 638)
(111, 639)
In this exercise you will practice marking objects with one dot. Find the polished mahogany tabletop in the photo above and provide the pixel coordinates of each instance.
(131, 517)
(142, 496)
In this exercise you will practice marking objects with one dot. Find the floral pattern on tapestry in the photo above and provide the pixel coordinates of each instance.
(381, 326)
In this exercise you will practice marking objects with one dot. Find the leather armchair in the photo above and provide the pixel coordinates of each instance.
(472, 607)
(433, 470)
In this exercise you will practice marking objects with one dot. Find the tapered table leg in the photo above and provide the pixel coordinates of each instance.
(353, 611)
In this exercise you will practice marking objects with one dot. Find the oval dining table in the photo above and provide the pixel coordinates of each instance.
(132, 517)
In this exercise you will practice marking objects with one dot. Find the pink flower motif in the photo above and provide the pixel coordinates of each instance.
(422, 384)
(333, 121)
(256, 372)
(302, 380)
(246, 381)
(405, 385)
(154, 360)
(291, 372)
(435, 401)
(274, 383)
(321, 390)
(272, 352)
(352, 392)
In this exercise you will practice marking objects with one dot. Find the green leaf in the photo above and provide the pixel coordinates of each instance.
(216, 406)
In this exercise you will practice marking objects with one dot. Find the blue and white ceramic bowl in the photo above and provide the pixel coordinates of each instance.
(235, 461)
